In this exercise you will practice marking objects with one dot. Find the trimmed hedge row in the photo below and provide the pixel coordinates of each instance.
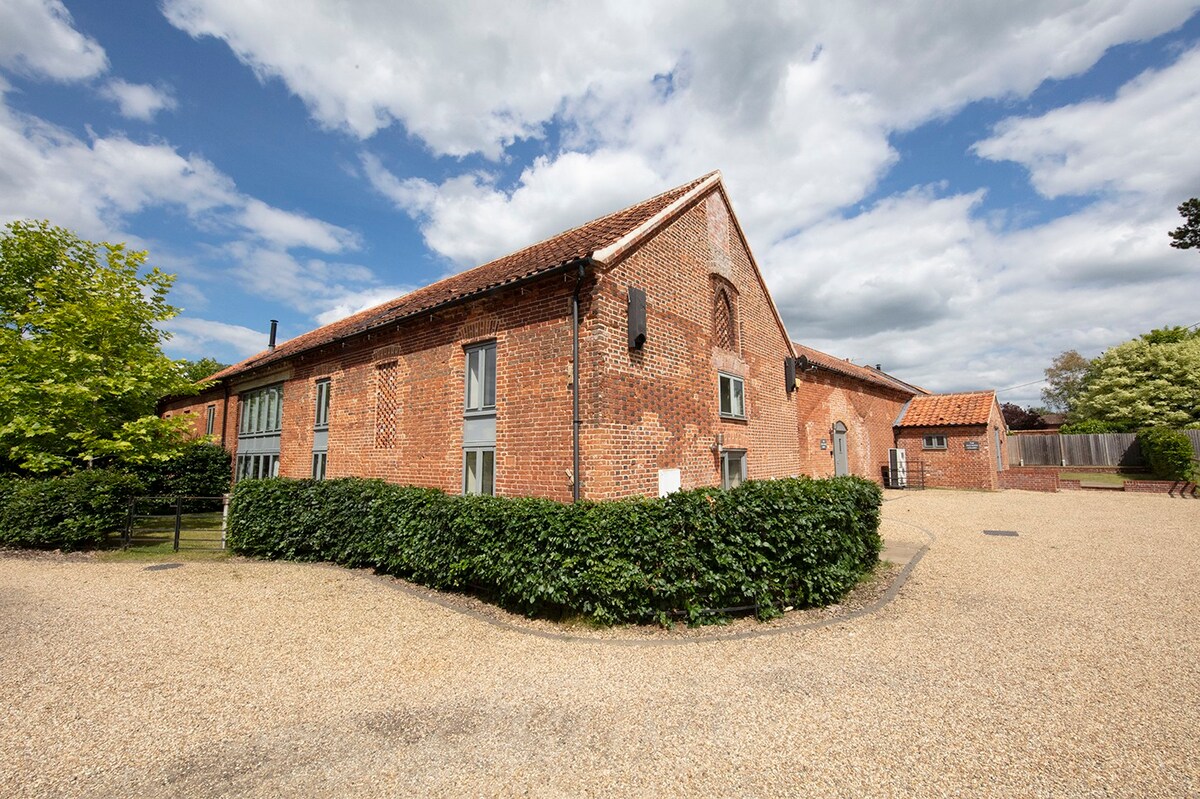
(766, 543)
(72, 512)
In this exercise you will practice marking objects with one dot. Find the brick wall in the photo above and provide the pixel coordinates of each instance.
(657, 408)
(825, 398)
(642, 410)
(197, 406)
(1030, 479)
(1176, 488)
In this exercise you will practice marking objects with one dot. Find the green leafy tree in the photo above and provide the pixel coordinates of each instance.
(1064, 380)
(80, 360)
(195, 371)
(1151, 381)
(1187, 235)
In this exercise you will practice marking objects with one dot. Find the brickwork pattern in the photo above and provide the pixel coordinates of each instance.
(657, 408)
(1031, 479)
(825, 398)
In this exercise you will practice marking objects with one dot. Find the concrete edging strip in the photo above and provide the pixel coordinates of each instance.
(867, 610)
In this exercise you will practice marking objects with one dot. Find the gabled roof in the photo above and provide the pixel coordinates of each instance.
(948, 410)
(606, 238)
(864, 373)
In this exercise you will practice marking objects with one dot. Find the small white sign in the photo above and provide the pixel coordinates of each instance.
(669, 481)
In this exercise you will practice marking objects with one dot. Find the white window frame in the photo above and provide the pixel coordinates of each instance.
(730, 458)
(320, 462)
(210, 419)
(931, 441)
(735, 410)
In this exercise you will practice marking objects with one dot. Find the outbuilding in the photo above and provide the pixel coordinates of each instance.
(954, 440)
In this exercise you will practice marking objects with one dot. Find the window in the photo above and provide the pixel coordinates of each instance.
(322, 415)
(387, 400)
(733, 468)
(481, 378)
(258, 433)
(210, 418)
(479, 420)
(934, 442)
(262, 412)
(724, 318)
(479, 470)
(733, 397)
(257, 467)
(321, 430)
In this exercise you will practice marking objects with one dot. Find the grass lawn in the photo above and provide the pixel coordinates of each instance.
(1103, 478)
(153, 538)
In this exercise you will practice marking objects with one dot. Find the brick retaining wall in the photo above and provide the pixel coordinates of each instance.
(1173, 487)
(1031, 479)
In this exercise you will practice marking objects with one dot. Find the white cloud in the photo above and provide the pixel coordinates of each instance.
(922, 59)
(287, 229)
(1141, 141)
(461, 76)
(324, 290)
(906, 263)
(466, 79)
(38, 37)
(138, 100)
(94, 186)
(469, 220)
(194, 336)
(351, 303)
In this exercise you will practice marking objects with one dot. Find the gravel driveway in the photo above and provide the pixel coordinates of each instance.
(1061, 662)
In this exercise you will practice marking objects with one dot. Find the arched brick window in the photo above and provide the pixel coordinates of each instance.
(724, 318)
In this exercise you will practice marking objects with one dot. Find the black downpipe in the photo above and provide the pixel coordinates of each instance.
(576, 421)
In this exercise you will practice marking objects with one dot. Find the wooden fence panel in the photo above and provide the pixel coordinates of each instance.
(1039, 450)
(1194, 435)
(1101, 449)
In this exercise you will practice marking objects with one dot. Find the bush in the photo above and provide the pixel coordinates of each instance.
(73, 512)
(1091, 426)
(765, 544)
(1169, 453)
(201, 470)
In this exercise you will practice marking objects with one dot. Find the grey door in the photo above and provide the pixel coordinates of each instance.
(841, 463)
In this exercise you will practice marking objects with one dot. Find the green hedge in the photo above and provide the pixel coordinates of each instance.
(200, 470)
(72, 512)
(765, 544)
(1169, 453)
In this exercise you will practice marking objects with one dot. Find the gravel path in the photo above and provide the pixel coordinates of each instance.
(1062, 662)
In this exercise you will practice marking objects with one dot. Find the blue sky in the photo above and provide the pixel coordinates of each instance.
(958, 193)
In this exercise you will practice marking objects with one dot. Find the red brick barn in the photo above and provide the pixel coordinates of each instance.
(468, 384)
(633, 355)
(958, 439)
